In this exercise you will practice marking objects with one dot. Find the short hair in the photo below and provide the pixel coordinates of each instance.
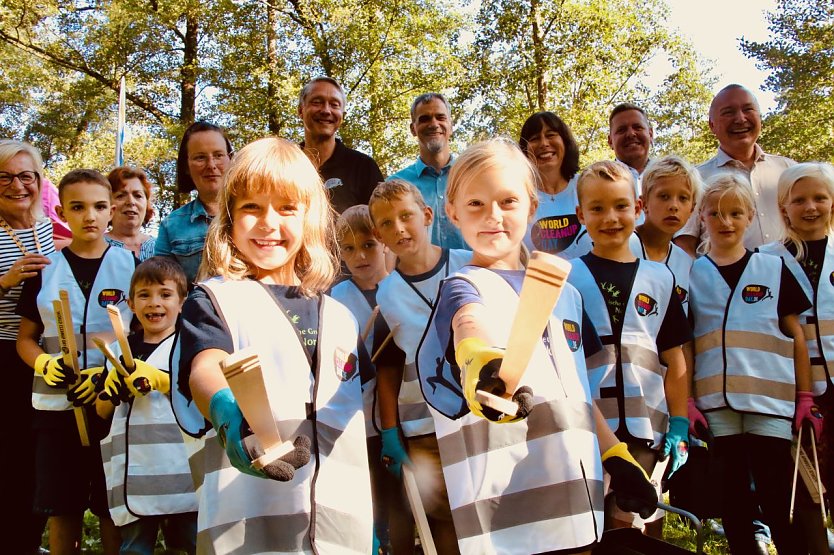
(118, 178)
(394, 189)
(356, 219)
(8, 150)
(625, 107)
(605, 170)
(534, 125)
(672, 166)
(425, 98)
(730, 87)
(184, 182)
(822, 172)
(158, 269)
(84, 175)
(305, 90)
(275, 167)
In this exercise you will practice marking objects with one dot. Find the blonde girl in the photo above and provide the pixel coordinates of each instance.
(547, 494)
(752, 374)
(268, 259)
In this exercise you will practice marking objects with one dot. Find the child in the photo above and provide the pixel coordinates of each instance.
(402, 221)
(525, 485)
(145, 457)
(641, 380)
(364, 256)
(751, 364)
(70, 477)
(270, 247)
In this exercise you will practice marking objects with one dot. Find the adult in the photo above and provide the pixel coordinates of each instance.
(203, 157)
(25, 241)
(431, 124)
(349, 175)
(549, 144)
(736, 121)
(133, 209)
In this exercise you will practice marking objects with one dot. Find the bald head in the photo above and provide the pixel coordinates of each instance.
(736, 121)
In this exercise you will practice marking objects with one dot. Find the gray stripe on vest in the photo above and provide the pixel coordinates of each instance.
(151, 434)
(156, 485)
(642, 357)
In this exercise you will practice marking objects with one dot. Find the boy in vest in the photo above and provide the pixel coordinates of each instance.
(70, 476)
(402, 221)
(639, 379)
(149, 484)
(364, 256)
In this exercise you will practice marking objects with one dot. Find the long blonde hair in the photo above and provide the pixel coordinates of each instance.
(723, 185)
(275, 167)
(821, 171)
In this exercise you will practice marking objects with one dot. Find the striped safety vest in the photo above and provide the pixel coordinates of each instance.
(529, 486)
(326, 507)
(676, 260)
(743, 361)
(146, 456)
(627, 377)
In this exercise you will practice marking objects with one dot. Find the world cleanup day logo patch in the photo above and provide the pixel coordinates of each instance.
(344, 364)
(572, 335)
(645, 305)
(754, 293)
(110, 296)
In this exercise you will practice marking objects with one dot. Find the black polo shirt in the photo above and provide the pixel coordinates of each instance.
(349, 177)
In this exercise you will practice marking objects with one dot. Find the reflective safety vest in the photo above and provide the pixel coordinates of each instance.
(743, 361)
(326, 507)
(529, 486)
(676, 260)
(627, 377)
(818, 321)
(146, 456)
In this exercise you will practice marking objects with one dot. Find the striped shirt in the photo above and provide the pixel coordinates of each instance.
(9, 253)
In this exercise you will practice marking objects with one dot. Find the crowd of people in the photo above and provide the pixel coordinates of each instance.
(696, 312)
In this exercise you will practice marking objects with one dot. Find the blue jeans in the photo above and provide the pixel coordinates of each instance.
(179, 531)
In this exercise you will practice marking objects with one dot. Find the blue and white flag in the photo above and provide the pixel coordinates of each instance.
(120, 127)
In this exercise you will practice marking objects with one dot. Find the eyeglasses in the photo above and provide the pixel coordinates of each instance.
(26, 178)
(203, 159)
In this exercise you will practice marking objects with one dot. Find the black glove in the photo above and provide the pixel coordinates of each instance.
(632, 488)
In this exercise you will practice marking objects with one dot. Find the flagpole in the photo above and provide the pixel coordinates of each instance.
(120, 126)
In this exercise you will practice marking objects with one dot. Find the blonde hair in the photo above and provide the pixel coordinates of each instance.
(8, 150)
(605, 170)
(356, 219)
(672, 166)
(822, 172)
(275, 167)
(727, 184)
(394, 189)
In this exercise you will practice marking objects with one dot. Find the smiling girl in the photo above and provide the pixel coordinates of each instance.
(270, 252)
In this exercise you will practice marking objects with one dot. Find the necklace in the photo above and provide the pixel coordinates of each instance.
(5, 225)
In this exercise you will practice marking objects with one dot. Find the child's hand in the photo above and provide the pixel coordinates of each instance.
(92, 382)
(807, 411)
(145, 378)
(676, 442)
(695, 416)
(393, 451)
(55, 373)
(633, 491)
(114, 389)
(479, 364)
(228, 422)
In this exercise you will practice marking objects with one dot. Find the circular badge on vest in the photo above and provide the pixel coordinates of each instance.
(831, 278)
(755, 293)
(645, 305)
(344, 364)
(572, 334)
(110, 296)
(554, 233)
(683, 295)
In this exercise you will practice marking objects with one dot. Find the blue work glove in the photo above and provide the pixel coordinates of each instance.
(393, 451)
(633, 491)
(676, 442)
(228, 422)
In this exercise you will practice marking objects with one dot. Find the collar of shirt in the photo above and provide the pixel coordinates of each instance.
(422, 167)
(198, 211)
(722, 158)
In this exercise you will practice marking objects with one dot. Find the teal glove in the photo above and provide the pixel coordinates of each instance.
(676, 442)
(633, 491)
(92, 382)
(145, 378)
(228, 422)
(393, 451)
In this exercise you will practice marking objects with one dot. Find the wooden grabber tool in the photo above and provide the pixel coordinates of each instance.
(279, 460)
(412, 492)
(119, 329)
(69, 348)
(543, 282)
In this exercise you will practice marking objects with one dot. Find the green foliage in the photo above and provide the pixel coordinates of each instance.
(800, 57)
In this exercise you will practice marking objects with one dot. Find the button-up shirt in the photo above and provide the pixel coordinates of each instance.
(182, 235)
(432, 184)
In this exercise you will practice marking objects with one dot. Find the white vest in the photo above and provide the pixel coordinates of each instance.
(89, 318)
(326, 507)
(555, 227)
(146, 456)
(818, 321)
(627, 377)
(407, 313)
(676, 260)
(530, 486)
(743, 361)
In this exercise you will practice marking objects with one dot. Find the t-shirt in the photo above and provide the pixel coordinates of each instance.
(349, 177)
(615, 281)
(814, 257)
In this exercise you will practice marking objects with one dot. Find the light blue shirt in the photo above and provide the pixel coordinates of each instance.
(182, 235)
(433, 187)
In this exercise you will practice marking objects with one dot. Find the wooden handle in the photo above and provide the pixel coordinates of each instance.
(412, 492)
(69, 348)
(110, 356)
(119, 328)
(369, 325)
(384, 343)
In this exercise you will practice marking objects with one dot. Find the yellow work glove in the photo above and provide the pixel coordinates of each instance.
(92, 382)
(55, 373)
(479, 364)
(114, 389)
(633, 491)
(145, 378)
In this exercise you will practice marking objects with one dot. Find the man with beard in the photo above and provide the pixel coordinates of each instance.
(431, 123)
(349, 175)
